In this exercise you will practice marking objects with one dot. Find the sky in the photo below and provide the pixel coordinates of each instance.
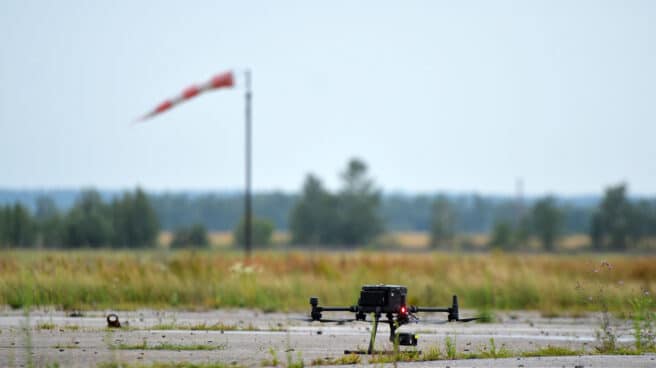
(433, 95)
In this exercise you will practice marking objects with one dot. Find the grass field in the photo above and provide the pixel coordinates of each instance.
(392, 239)
(284, 280)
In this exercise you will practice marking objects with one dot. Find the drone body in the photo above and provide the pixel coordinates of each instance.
(388, 300)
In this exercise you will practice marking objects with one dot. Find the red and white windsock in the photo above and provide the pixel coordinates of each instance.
(223, 80)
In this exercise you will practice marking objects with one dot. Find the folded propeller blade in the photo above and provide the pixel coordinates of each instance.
(433, 322)
(468, 319)
(441, 322)
(323, 320)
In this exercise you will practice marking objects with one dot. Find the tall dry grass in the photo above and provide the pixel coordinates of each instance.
(285, 280)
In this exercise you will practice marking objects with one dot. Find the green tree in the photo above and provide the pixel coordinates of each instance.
(443, 220)
(17, 227)
(134, 221)
(502, 236)
(89, 222)
(611, 227)
(262, 231)
(547, 222)
(313, 220)
(644, 219)
(194, 236)
(523, 230)
(4, 226)
(49, 222)
(358, 206)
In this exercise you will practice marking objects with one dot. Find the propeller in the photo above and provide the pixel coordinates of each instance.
(442, 322)
(432, 322)
(468, 319)
(324, 320)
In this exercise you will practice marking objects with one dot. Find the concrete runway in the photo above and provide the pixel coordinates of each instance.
(48, 337)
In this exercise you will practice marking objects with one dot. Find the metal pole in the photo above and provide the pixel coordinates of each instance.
(248, 213)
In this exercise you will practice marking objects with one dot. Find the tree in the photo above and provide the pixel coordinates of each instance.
(49, 222)
(547, 222)
(89, 222)
(134, 221)
(194, 236)
(443, 220)
(313, 220)
(611, 223)
(17, 227)
(502, 236)
(357, 206)
(644, 219)
(262, 232)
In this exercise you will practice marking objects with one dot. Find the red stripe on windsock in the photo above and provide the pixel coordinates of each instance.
(218, 81)
(190, 92)
(222, 80)
(163, 107)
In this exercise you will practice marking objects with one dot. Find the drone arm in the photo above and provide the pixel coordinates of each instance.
(454, 314)
(352, 308)
(415, 309)
(317, 309)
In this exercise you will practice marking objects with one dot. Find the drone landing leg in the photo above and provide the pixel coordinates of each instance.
(392, 326)
(372, 341)
(374, 329)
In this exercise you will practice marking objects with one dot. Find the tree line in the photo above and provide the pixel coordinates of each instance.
(399, 212)
(127, 221)
(354, 215)
(617, 224)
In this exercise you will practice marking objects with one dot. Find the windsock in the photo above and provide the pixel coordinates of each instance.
(223, 80)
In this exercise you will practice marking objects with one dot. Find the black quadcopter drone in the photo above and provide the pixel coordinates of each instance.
(389, 300)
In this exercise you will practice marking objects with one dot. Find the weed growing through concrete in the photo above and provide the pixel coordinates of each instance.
(166, 346)
(599, 299)
(28, 338)
(450, 347)
(402, 356)
(433, 353)
(219, 326)
(345, 359)
(644, 319)
(494, 351)
(551, 351)
(45, 326)
(292, 363)
(167, 365)
(66, 346)
(273, 362)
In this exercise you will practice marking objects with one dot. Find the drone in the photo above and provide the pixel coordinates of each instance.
(388, 300)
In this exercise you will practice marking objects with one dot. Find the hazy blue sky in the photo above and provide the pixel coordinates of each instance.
(456, 95)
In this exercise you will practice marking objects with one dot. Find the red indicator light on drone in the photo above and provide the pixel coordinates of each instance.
(403, 310)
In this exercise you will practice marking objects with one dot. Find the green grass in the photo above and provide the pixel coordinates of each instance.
(219, 326)
(66, 346)
(485, 316)
(166, 346)
(167, 365)
(273, 362)
(490, 352)
(346, 359)
(45, 326)
(401, 356)
(551, 351)
(283, 281)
